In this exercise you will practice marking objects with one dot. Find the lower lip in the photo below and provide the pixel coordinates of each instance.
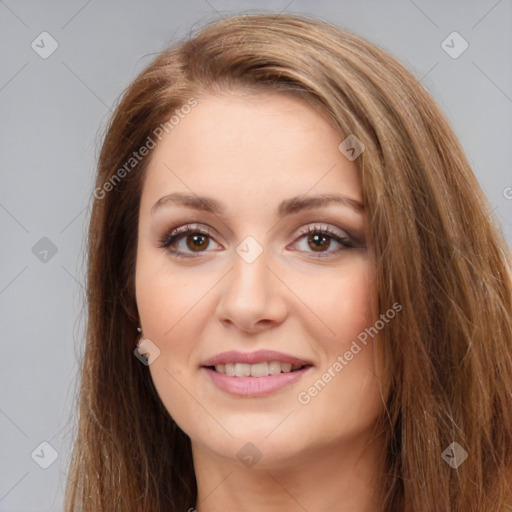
(254, 386)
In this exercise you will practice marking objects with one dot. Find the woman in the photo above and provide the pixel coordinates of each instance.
(287, 235)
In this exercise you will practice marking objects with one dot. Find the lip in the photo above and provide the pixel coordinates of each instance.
(251, 387)
(259, 356)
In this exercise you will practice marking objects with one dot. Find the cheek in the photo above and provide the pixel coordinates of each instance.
(173, 315)
(170, 321)
(350, 308)
(346, 380)
(165, 296)
(340, 302)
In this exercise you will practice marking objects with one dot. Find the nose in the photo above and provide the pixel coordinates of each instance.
(253, 298)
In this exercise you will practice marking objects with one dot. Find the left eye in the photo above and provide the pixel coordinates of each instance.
(319, 240)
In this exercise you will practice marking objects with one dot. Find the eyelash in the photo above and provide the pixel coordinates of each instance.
(175, 234)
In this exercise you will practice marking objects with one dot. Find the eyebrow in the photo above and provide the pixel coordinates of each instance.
(287, 206)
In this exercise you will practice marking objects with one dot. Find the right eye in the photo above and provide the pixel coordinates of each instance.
(178, 240)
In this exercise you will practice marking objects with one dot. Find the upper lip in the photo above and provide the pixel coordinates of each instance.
(258, 356)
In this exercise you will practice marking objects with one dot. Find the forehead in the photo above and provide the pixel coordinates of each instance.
(262, 145)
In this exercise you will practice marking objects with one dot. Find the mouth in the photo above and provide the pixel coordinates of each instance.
(254, 374)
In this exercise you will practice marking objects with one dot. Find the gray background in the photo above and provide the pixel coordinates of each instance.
(53, 113)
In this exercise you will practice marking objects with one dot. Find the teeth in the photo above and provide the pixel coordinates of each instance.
(274, 367)
(259, 370)
(255, 370)
(242, 370)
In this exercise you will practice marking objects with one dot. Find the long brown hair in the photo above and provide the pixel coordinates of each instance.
(434, 246)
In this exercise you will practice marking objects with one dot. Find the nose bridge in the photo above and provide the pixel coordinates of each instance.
(250, 276)
(252, 295)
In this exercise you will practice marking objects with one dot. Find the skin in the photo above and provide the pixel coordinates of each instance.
(250, 152)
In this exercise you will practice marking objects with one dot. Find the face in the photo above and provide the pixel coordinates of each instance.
(251, 290)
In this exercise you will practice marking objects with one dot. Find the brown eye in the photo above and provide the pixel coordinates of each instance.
(187, 240)
(324, 241)
(197, 241)
(319, 242)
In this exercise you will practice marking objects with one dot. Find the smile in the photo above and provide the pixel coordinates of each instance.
(254, 374)
(242, 384)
